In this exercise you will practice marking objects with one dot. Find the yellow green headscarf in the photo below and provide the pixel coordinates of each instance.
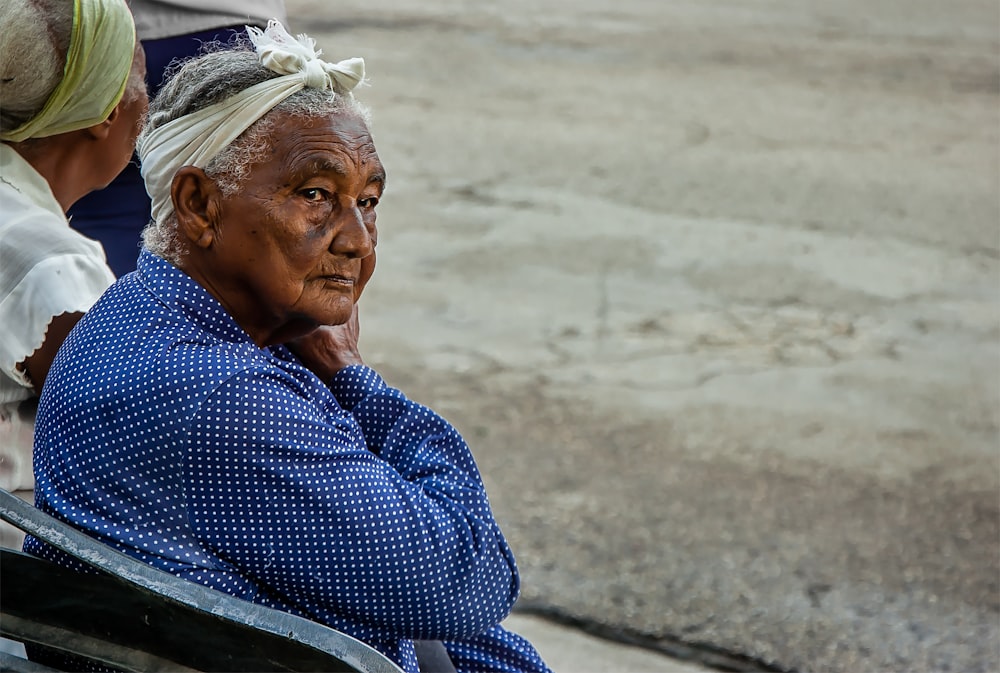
(97, 68)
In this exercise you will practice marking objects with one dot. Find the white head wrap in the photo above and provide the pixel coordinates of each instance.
(197, 138)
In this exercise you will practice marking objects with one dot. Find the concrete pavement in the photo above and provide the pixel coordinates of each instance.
(569, 650)
(713, 291)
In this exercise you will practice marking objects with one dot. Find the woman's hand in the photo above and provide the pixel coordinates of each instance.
(328, 349)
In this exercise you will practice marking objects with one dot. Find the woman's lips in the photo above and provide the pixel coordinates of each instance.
(347, 281)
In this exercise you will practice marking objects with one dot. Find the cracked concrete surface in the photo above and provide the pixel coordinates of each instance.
(713, 291)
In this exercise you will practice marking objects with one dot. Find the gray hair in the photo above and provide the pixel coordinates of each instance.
(135, 85)
(212, 78)
(36, 35)
(33, 48)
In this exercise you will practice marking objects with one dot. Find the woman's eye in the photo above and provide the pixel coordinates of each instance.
(313, 194)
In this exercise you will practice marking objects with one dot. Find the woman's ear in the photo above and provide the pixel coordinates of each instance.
(102, 130)
(196, 204)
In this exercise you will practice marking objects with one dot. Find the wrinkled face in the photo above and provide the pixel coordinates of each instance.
(292, 243)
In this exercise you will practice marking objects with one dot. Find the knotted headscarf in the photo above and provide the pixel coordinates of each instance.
(98, 63)
(197, 138)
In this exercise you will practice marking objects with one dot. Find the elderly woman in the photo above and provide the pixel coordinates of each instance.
(178, 427)
(71, 96)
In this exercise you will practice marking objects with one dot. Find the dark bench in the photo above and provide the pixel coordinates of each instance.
(134, 617)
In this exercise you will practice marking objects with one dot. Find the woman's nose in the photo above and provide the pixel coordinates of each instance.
(351, 237)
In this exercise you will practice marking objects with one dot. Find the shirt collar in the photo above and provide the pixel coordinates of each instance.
(177, 290)
(20, 175)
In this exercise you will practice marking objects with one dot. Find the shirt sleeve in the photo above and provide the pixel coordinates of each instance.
(64, 283)
(377, 514)
(496, 650)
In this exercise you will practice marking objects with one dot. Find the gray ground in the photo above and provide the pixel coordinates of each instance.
(713, 291)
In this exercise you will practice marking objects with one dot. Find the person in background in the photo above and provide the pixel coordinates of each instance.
(170, 30)
(72, 96)
(239, 440)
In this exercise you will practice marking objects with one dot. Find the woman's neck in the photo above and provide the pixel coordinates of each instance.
(61, 160)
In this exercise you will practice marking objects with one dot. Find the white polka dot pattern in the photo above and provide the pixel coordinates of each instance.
(164, 431)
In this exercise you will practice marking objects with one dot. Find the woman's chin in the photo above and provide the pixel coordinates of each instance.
(338, 313)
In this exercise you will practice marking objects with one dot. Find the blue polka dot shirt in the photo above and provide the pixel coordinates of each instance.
(165, 432)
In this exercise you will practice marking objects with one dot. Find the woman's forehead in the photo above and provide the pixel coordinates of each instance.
(328, 164)
(339, 145)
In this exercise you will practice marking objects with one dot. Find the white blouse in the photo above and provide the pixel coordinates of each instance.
(46, 269)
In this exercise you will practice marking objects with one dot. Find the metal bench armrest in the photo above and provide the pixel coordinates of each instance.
(152, 617)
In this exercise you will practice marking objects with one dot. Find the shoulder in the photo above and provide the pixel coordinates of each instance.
(33, 228)
(48, 269)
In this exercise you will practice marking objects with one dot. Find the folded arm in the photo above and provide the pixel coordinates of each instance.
(377, 514)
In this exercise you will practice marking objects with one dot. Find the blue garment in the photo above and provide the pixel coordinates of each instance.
(164, 431)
